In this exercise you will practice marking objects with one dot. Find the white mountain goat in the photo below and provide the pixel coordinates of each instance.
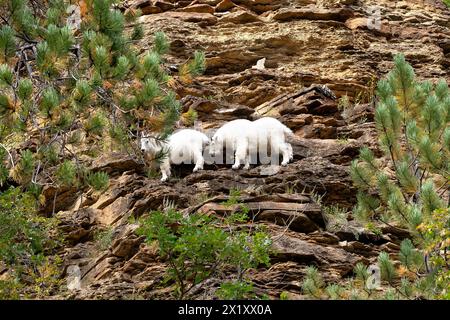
(272, 135)
(234, 136)
(245, 138)
(184, 146)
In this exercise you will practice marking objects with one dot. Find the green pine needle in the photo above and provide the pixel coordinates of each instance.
(387, 268)
(66, 173)
(7, 42)
(198, 65)
(98, 181)
(161, 45)
(6, 75)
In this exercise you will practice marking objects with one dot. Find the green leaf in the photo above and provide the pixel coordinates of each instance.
(430, 199)
(122, 68)
(96, 124)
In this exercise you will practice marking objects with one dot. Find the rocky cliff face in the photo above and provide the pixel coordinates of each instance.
(308, 46)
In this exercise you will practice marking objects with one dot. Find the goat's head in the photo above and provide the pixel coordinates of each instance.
(145, 144)
(150, 144)
(215, 146)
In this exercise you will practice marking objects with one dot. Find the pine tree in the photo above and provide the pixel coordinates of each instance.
(65, 83)
(412, 120)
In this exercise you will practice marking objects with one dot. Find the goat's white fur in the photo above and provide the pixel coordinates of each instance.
(272, 135)
(235, 136)
(184, 146)
(243, 138)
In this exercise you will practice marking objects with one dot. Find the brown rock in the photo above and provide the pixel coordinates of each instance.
(289, 247)
(203, 19)
(304, 46)
(202, 8)
(315, 99)
(152, 6)
(150, 10)
(313, 13)
(224, 5)
(239, 17)
(115, 163)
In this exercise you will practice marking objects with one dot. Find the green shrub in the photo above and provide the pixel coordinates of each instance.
(26, 243)
(196, 248)
(412, 120)
(235, 290)
(22, 233)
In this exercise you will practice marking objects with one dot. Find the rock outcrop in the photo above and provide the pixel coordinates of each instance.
(315, 52)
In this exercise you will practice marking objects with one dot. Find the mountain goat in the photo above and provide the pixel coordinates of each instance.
(184, 146)
(271, 135)
(245, 138)
(235, 136)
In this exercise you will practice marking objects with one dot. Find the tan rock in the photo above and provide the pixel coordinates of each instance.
(304, 46)
(224, 5)
(202, 8)
(313, 13)
(239, 17)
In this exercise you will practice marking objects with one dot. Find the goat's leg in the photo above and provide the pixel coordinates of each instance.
(165, 170)
(199, 161)
(278, 146)
(247, 161)
(240, 154)
(291, 151)
(286, 151)
(237, 163)
(251, 150)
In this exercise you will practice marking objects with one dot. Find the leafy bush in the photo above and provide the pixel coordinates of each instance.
(196, 248)
(235, 290)
(10, 289)
(22, 233)
(25, 242)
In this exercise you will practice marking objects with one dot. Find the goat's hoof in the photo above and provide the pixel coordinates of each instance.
(163, 179)
(284, 164)
(246, 167)
(197, 169)
(235, 167)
